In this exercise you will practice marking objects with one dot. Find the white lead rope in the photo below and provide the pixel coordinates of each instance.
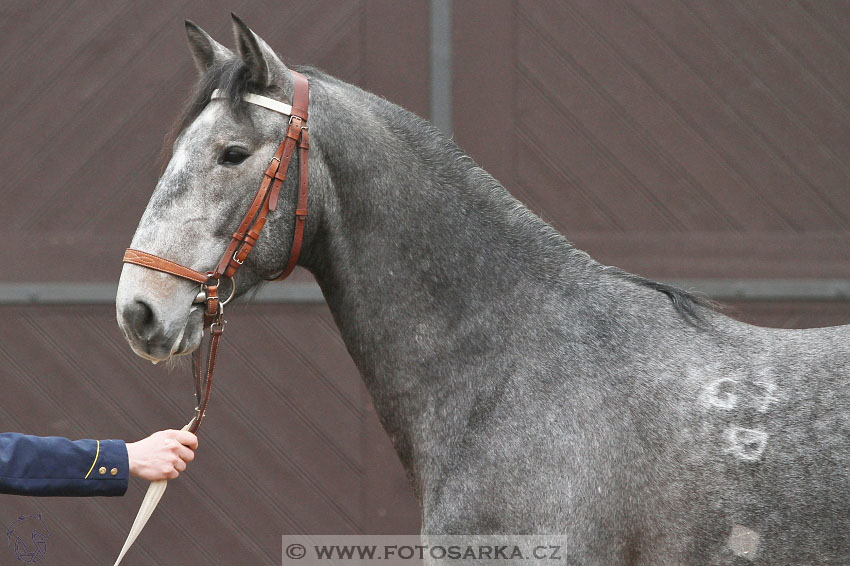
(151, 500)
(149, 503)
(157, 488)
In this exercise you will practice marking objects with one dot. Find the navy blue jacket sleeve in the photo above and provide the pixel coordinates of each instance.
(50, 465)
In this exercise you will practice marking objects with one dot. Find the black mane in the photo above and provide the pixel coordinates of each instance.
(687, 304)
(232, 77)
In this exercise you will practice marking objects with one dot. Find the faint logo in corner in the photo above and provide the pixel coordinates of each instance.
(28, 538)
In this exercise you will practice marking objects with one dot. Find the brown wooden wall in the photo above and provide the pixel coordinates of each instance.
(91, 89)
(290, 443)
(87, 94)
(676, 139)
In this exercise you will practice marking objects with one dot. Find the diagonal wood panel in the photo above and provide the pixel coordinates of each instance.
(677, 137)
(832, 18)
(87, 136)
(589, 161)
(674, 138)
(681, 71)
(292, 444)
(264, 468)
(651, 172)
(801, 123)
(662, 123)
(791, 315)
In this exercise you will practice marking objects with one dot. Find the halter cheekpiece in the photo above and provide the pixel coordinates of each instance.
(248, 232)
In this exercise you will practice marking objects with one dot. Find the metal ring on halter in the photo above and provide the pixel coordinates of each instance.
(232, 291)
(201, 297)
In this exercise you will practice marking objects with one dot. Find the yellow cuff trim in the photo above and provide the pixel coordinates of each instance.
(96, 454)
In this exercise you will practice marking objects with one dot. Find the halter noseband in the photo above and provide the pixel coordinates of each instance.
(234, 256)
(249, 229)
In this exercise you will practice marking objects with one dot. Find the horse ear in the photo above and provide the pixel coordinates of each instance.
(266, 67)
(205, 50)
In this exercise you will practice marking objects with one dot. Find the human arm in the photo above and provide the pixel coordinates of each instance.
(55, 466)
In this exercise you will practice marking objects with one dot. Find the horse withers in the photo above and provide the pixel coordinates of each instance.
(526, 388)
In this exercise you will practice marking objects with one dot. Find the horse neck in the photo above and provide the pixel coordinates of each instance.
(426, 263)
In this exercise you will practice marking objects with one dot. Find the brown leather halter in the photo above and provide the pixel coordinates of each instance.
(244, 240)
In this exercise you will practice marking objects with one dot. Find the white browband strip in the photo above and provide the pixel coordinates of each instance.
(263, 101)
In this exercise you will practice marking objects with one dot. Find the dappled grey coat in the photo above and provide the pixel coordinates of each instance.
(526, 387)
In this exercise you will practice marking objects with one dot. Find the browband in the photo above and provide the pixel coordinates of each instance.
(246, 235)
(263, 101)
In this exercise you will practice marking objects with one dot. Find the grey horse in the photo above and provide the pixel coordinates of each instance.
(526, 387)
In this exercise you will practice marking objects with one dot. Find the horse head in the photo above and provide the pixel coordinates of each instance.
(218, 158)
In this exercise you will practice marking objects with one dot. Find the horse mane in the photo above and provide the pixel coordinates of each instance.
(689, 305)
(233, 78)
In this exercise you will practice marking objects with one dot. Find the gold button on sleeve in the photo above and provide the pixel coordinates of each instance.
(101, 470)
(113, 472)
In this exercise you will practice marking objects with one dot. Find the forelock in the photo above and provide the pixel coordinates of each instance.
(232, 78)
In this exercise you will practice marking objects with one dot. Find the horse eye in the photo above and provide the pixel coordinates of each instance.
(233, 155)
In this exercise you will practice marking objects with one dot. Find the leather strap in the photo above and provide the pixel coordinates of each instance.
(300, 207)
(156, 489)
(234, 256)
(203, 389)
(268, 193)
(213, 310)
(209, 282)
(265, 200)
(138, 257)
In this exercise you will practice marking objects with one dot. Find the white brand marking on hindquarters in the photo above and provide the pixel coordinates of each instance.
(767, 397)
(743, 542)
(719, 393)
(745, 443)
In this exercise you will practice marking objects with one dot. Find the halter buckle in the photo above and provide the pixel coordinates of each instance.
(236, 259)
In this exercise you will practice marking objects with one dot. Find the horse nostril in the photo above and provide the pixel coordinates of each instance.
(139, 318)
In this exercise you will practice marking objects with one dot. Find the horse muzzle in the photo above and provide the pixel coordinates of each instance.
(157, 314)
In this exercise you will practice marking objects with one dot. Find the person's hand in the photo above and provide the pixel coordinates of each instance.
(162, 455)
